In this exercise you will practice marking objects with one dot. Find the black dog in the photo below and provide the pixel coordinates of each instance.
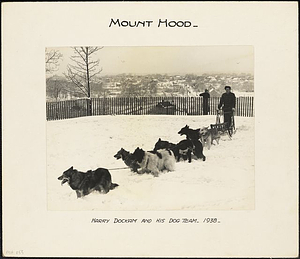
(162, 144)
(190, 133)
(194, 136)
(128, 159)
(182, 149)
(198, 149)
(85, 183)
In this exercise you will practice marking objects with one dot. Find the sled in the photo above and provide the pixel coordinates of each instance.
(223, 127)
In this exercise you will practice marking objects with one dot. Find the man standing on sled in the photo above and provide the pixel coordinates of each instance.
(227, 104)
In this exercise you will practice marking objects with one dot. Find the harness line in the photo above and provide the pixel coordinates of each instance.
(118, 168)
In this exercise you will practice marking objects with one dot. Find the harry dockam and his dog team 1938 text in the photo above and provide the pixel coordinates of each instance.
(164, 154)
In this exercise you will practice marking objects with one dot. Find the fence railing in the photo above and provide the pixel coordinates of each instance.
(142, 106)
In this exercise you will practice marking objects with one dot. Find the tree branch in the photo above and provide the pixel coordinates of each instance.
(80, 54)
(71, 76)
(84, 69)
(52, 58)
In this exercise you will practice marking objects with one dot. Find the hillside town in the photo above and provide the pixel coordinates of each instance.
(163, 85)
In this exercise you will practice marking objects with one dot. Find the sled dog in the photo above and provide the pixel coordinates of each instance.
(155, 162)
(128, 159)
(85, 183)
(183, 149)
(163, 144)
(194, 136)
(208, 136)
(198, 149)
(190, 133)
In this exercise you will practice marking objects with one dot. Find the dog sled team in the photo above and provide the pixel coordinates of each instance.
(163, 157)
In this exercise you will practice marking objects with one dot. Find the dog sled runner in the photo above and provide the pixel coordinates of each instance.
(224, 127)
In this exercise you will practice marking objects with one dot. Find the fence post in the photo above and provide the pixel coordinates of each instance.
(252, 107)
(89, 106)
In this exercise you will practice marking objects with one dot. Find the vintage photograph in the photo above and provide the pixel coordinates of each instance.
(150, 128)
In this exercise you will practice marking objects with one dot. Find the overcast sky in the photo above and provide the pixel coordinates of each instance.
(170, 60)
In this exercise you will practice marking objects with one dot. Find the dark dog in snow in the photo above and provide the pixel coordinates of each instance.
(181, 150)
(163, 144)
(198, 149)
(84, 183)
(128, 159)
(192, 134)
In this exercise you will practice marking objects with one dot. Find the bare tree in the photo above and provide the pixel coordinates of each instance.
(52, 58)
(83, 70)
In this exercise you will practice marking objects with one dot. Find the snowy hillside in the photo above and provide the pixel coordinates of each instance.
(225, 181)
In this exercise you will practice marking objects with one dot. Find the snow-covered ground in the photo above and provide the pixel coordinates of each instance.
(225, 181)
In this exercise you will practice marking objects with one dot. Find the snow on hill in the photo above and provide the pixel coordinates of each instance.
(225, 181)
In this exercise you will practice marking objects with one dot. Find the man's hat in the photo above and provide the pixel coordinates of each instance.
(227, 86)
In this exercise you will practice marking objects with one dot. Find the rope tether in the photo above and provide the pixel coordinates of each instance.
(118, 168)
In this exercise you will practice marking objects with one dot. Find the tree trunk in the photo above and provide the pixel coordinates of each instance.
(89, 103)
(89, 106)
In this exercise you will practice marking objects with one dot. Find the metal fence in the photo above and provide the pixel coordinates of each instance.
(141, 106)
